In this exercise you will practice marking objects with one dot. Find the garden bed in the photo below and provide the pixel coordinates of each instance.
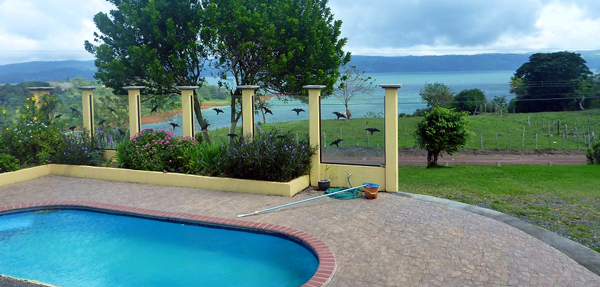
(159, 178)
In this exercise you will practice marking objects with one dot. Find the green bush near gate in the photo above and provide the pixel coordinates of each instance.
(593, 154)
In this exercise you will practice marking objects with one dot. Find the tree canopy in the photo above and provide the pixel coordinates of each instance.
(547, 82)
(280, 45)
(440, 130)
(150, 43)
(352, 83)
(469, 101)
(437, 94)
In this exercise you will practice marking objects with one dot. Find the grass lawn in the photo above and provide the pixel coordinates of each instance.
(562, 199)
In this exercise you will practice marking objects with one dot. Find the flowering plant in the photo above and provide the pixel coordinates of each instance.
(153, 150)
(78, 148)
(273, 156)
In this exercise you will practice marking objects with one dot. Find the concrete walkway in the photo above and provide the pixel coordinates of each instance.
(391, 241)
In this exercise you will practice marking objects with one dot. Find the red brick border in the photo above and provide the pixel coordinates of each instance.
(325, 256)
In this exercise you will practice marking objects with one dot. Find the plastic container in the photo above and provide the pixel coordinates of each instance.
(371, 190)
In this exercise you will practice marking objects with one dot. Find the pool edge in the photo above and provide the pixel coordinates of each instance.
(325, 256)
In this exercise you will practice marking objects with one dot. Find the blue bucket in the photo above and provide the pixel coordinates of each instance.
(370, 184)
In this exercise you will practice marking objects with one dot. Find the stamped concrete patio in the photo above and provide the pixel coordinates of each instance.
(390, 241)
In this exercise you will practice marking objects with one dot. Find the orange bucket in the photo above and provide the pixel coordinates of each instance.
(371, 190)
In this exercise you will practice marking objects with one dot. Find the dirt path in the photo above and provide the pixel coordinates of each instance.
(471, 156)
(504, 160)
(493, 156)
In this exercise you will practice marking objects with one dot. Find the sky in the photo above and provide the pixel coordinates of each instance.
(51, 30)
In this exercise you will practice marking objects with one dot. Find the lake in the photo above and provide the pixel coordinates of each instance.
(492, 83)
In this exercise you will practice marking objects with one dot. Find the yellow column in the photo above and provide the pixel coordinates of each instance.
(314, 126)
(87, 107)
(187, 105)
(248, 109)
(38, 93)
(391, 136)
(135, 116)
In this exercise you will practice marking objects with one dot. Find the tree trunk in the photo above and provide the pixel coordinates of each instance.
(432, 158)
(198, 112)
(348, 113)
(581, 104)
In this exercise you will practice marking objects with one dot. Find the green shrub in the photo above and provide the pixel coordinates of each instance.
(8, 163)
(440, 130)
(593, 154)
(154, 151)
(31, 142)
(271, 156)
(202, 158)
(78, 148)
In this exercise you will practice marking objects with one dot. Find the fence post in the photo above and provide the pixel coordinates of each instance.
(481, 139)
(314, 106)
(135, 124)
(536, 141)
(187, 108)
(248, 109)
(563, 138)
(391, 137)
(87, 108)
(38, 93)
(523, 141)
(549, 135)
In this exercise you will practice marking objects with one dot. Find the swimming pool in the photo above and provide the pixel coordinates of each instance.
(71, 247)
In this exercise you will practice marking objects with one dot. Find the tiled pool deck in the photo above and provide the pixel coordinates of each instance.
(390, 241)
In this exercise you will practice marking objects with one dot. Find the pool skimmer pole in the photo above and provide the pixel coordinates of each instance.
(297, 202)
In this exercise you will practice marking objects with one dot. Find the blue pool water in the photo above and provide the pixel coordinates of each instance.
(84, 248)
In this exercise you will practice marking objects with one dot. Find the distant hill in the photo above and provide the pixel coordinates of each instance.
(46, 71)
(446, 63)
(61, 70)
(451, 63)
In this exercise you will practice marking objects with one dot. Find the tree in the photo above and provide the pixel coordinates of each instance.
(440, 130)
(281, 45)
(158, 44)
(588, 87)
(499, 104)
(351, 84)
(469, 101)
(437, 94)
(547, 82)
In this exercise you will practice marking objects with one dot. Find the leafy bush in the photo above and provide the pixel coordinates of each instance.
(8, 163)
(31, 142)
(202, 158)
(593, 154)
(440, 130)
(271, 156)
(155, 151)
(78, 148)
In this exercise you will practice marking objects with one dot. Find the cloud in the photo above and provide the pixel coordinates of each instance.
(55, 30)
(416, 27)
(40, 30)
